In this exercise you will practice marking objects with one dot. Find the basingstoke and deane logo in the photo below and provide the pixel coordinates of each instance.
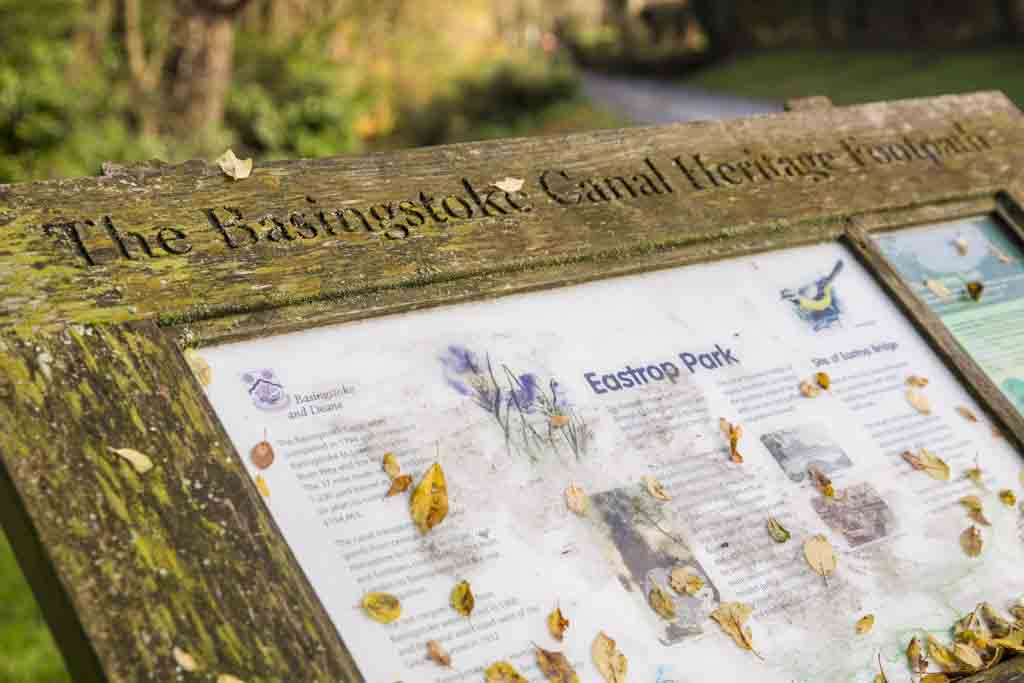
(265, 389)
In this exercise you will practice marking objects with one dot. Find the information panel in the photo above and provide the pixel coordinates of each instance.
(970, 272)
(619, 389)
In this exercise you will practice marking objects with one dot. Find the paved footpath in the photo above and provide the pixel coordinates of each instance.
(647, 100)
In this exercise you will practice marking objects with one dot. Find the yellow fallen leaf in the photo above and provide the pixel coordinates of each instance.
(655, 488)
(734, 433)
(966, 413)
(462, 599)
(684, 580)
(199, 367)
(917, 381)
(576, 500)
(261, 486)
(228, 678)
(140, 461)
(971, 541)
(865, 624)
(662, 603)
(974, 509)
(820, 556)
(919, 401)
(390, 465)
(967, 656)
(383, 608)
(732, 617)
(927, 462)
(975, 475)
(821, 482)
(974, 289)
(555, 666)
(438, 654)
(778, 532)
(941, 655)
(823, 380)
(934, 678)
(880, 677)
(399, 484)
(1008, 497)
(557, 624)
(809, 390)
(510, 185)
(503, 672)
(610, 663)
(938, 289)
(429, 501)
(186, 661)
(997, 625)
(918, 664)
(233, 167)
(559, 421)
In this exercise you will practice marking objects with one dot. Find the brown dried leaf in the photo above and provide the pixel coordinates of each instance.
(140, 461)
(974, 289)
(559, 421)
(199, 367)
(865, 624)
(555, 666)
(821, 482)
(919, 401)
(927, 462)
(609, 661)
(462, 599)
(938, 289)
(429, 501)
(503, 672)
(655, 488)
(1008, 497)
(820, 555)
(557, 624)
(261, 486)
(1000, 254)
(734, 433)
(390, 465)
(576, 500)
(186, 661)
(732, 617)
(399, 484)
(974, 509)
(918, 664)
(971, 541)
(823, 380)
(684, 580)
(383, 608)
(233, 167)
(809, 390)
(662, 603)
(438, 654)
(262, 455)
(778, 532)
(966, 413)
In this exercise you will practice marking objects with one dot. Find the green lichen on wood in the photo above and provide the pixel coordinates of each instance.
(183, 555)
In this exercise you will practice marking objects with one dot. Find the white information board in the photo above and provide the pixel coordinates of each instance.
(598, 385)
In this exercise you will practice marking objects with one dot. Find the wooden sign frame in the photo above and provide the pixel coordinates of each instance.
(104, 281)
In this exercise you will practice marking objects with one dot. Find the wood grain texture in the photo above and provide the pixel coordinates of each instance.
(43, 282)
(184, 555)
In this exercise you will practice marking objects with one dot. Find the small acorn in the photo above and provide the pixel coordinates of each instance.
(262, 454)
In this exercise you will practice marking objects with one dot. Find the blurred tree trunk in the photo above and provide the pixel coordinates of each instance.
(201, 73)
